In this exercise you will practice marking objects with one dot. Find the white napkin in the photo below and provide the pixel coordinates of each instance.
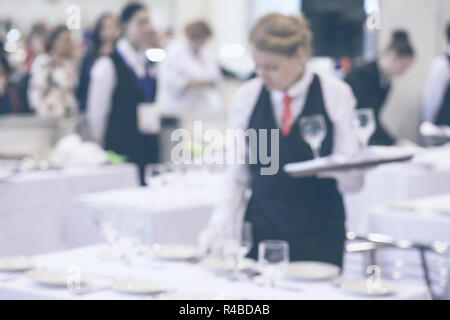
(72, 151)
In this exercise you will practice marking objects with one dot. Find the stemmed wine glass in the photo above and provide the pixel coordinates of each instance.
(106, 221)
(314, 130)
(273, 260)
(242, 245)
(364, 125)
(131, 240)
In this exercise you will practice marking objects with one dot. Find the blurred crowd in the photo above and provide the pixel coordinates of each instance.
(47, 70)
(121, 64)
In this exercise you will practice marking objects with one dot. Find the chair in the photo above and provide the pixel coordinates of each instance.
(433, 260)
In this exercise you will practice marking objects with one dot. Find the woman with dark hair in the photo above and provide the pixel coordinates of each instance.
(104, 36)
(119, 83)
(53, 76)
(436, 99)
(371, 83)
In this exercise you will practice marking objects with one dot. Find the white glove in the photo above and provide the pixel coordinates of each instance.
(225, 220)
(213, 241)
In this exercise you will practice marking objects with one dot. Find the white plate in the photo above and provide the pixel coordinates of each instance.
(224, 265)
(52, 277)
(311, 270)
(140, 286)
(15, 264)
(196, 295)
(360, 287)
(174, 251)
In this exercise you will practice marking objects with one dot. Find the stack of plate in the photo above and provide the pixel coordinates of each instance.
(312, 271)
(363, 288)
(15, 264)
(174, 252)
(141, 286)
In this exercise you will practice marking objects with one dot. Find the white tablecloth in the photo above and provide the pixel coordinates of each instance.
(32, 203)
(176, 213)
(423, 220)
(184, 277)
(418, 221)
(393, 182)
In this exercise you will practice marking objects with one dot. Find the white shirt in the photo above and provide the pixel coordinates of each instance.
(102, 84)
(182, 66)
(436, 85)
(340, 104)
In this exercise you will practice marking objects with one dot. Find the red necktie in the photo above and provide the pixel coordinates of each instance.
(286, 125)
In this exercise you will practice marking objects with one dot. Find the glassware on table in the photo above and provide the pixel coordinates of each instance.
(273, 260)
(131, 241)
(314, 130)
(131, 237)
(364, 125)
(241, 247)
(107, 222)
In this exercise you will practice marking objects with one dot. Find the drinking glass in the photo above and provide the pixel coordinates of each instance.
(242, 245)
(365, 125)
(314, 130)
(273, 260)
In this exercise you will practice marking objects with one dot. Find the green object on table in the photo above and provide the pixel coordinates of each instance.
(115, 158)
(193, 147)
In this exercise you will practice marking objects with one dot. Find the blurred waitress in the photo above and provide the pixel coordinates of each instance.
(119, 83)
(190, 76)
(436, 97)
(307, 212)
(371, 83)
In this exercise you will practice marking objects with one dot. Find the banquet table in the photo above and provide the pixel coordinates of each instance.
(191, 206)
(188, 279)
(424, 221)
(175, 213)
(394, 182)
(32, 203)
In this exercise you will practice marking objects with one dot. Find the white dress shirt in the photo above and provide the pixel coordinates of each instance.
(340, 104)
(436, 85)
(182, 66)
(102, 85)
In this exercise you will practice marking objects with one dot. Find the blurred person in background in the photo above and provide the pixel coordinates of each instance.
(103, 39)
(436, 98)
(309, 212)
(190, 76)
(35, 44)
(372, 82)
(119, 83)
(166, 37)
(54, 77)
(5, 95)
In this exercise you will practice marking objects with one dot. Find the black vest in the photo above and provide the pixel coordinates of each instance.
(307, 212)
(443, 117)
(122, 134)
